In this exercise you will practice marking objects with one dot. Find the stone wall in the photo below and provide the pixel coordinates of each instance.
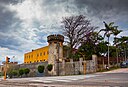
(77, 67)
(65, 68)
(33, 68)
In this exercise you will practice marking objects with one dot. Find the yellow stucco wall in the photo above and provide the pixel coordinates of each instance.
(37, 55)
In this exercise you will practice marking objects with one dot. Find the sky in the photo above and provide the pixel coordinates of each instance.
(25, 24)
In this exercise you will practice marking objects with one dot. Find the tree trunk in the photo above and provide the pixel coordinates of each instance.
(108, 54)
(117, 59)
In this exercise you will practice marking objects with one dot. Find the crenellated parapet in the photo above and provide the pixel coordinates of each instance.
(55, 37)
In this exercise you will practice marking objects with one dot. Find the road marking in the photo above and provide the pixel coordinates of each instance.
(61, 78)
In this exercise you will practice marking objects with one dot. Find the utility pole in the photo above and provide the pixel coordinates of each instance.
(5, 68)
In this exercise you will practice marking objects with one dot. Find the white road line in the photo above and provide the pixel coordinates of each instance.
(61, 78)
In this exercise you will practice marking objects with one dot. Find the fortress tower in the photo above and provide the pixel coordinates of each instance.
(55, 50)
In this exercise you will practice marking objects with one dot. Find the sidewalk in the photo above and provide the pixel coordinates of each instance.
(120, 70)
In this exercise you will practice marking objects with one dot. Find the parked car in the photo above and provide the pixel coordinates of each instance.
(124, 64)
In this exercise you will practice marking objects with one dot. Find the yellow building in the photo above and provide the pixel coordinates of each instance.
(50, 53)
(37, 55)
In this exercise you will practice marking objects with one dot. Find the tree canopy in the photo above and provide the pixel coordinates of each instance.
(76, 29)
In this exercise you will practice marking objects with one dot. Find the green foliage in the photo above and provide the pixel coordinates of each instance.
(12, 73)
(102, 48)
(112, 51)
(26, 71)
(21, 72)
(40, 68)
(1, 74)
(86, 50)
(49, 67)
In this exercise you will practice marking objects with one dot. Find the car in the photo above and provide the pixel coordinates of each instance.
(124, 64)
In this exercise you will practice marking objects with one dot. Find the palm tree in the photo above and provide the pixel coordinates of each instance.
(116, 32)
(108, 31)
(125, 41)
(122, 43)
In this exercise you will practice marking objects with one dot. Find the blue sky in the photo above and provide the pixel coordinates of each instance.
(25, 24)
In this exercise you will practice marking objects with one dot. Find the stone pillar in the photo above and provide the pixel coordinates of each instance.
(71, 60)
(94, 58)
(63, 67)
(81, 65)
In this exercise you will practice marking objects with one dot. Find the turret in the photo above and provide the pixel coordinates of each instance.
(55, 50)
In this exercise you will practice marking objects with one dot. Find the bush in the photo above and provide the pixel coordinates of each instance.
(49, 67)
(40, 68)
(1, 74)
(26, 71)
(12, 73)
(21, 72)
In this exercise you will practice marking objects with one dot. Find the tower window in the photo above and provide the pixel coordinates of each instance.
(44, 53)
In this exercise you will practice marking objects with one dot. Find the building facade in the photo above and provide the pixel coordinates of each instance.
(50, 53)
(37, 55)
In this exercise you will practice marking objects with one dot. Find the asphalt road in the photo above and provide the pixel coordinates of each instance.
(116, 78)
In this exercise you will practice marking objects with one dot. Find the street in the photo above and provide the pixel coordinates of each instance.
(115, 78)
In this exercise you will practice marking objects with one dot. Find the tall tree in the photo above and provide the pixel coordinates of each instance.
(76, 28)
(108, 31)
(123, 45)
(116, 32)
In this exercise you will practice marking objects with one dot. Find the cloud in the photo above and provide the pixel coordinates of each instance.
(108, 10)
(10, 53)
(25, 24)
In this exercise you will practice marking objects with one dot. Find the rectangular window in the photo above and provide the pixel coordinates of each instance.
(37, 55)
(40, 54)
(44, 53)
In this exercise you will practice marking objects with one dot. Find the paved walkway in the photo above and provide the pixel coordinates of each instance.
(115, 78)
(121, 70)
(54, 79)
